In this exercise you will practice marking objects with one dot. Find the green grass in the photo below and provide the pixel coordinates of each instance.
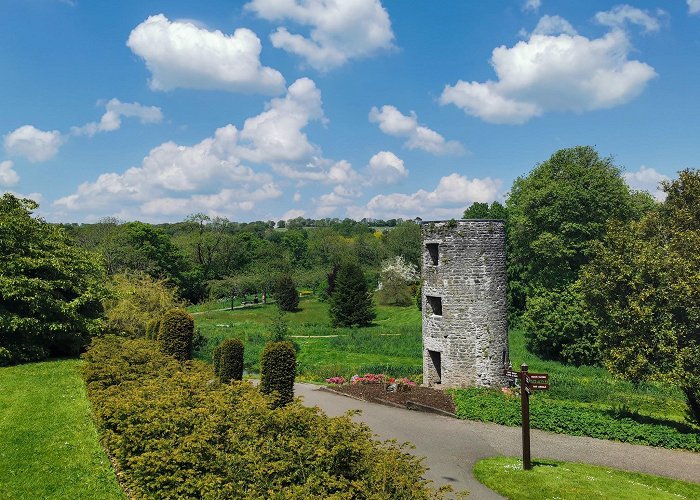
(48, 442)
(551, 479)
(392, 345)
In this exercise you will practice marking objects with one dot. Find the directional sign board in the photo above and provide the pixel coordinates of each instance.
(538, 387)
(511, 373)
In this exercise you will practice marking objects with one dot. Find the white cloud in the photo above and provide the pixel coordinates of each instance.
(34, 144)
(386, 168)
(8, 177)
(213, 172)
(553, 72)
(391, 121)
(449, 199)
(181, 55)
(532, 5)
(297, 197)
(693, 6)
(293, 214)
(553, 25)
(339, 30)
(620, 15)
(112, 118)
(646, 179)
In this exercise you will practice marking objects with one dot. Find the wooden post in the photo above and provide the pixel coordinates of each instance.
(525, 406)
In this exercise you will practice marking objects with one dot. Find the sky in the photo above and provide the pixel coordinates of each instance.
(275, 109)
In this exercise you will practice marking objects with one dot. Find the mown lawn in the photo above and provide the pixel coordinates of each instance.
(48, 442)
(552, 479)
(392, 345)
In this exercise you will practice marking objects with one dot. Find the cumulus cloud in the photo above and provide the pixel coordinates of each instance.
(386, 168)
(646, 179)
(338, 30)
(177, 179)
(693, 6)
(449, 199)
(34, 144)
(392, 122)
(553, 72)
(293, 214)
(8, 177)
(553, 25)
(621, 15)
(181, 55)
(112, 118)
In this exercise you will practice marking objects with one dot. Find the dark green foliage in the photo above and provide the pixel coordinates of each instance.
(487, 405)
(153, 328)
(419, 296)
(286, 294)
(351, 302)
(559, 326)
(405, 240)
(224, 441)
(176, 333)
(230, 360)
(278, 370)
(50, 290)
(643, 286)
(482, 211)
(216, 359)
(555, 213)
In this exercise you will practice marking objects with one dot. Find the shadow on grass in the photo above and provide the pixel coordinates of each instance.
(624, 412)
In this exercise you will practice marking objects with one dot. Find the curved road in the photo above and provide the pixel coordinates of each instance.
(452, 446)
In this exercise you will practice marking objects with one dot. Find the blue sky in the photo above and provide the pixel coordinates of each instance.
(272, 109)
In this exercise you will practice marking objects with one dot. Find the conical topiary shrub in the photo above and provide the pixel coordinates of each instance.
(230, 360)
(351, 301)
(278, 370)
(286, 294)
(175, 334)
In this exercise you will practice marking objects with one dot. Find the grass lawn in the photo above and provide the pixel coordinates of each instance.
(392, 345)
(48, 443)
(551, 479)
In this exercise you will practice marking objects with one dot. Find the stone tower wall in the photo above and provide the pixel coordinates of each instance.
(466, 345)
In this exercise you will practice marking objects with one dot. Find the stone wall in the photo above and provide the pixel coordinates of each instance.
(465, 330)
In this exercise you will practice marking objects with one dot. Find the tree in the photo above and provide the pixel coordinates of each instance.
(286, 294)
(482, 211)
(405, 240)
(134, 299)
(643, 285)
(398, 281)
(50, 289)
(351, 301)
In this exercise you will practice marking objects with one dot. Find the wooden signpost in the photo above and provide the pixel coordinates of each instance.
(528, 382)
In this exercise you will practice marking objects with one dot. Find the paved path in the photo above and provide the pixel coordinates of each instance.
(452, 446)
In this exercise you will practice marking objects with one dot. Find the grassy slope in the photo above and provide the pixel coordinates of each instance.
(49, 443)
(391, 345)
(550, 479)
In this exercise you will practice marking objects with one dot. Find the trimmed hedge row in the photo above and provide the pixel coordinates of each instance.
(173, 434)
(577, 420)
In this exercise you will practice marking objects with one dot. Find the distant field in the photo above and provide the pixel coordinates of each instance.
(392, 345)
(48, 442)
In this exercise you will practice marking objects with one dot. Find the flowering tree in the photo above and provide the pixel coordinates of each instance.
(398, 281)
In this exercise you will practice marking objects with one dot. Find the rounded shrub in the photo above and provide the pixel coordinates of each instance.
(230, 360)
(152, 328)
(216, 359)
(175, 334)
(277, 371)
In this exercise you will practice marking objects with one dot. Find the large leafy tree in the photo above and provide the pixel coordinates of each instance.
(50, 290)
(644, 287)
(351, 301)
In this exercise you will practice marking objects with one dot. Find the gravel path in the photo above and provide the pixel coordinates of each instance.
(452, 446)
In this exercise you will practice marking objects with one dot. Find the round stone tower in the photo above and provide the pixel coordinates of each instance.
(465, 328)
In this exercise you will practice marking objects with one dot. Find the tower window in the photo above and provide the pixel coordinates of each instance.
(433, 252)
(435, 304)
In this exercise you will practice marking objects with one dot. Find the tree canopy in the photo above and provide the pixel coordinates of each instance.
(50, 289)
(351, 300)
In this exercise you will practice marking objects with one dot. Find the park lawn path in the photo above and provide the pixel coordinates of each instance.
(48, 442)
(453, 446)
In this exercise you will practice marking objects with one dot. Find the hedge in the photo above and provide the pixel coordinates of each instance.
(203, 440)
(278, 370)
(230, 360)
(176, 333)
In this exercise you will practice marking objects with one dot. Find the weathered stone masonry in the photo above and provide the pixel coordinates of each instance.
(465, 330)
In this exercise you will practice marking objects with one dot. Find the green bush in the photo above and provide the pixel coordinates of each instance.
(153, 328)
(559, 326)
(175, 334)
(286, 294)
(198, 440)
(351, 300)
(577, 420)
(278, 370)
(216, 359)
(230, 360)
